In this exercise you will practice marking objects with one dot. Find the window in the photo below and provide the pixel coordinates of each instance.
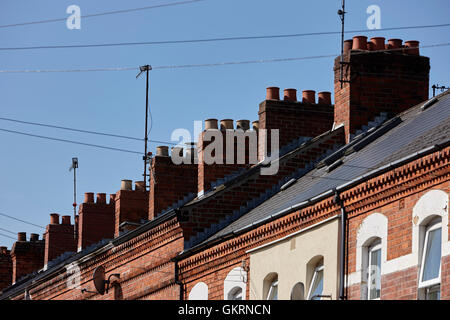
(199, 292)
(235, 284)
(235, 294)
(297, 292)
(273, 291)
(430, 268)
(316, 288)
(374, 271)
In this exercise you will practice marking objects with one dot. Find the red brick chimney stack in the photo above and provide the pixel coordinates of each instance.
(130, 205)
(59, 238)
(170, 182)
(391, 78)
(210, 172)
(293, 118)
(95, 219)
(26, 256)
(5, 268)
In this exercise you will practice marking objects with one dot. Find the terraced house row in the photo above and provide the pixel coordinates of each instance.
(357, 208)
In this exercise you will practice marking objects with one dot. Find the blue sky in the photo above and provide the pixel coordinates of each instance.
(34, 176)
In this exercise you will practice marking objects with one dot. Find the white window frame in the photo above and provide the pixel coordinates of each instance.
(272, 285)
(373, 247)
(427, 290)
(237, 277)
(434, 225)
(316, 271)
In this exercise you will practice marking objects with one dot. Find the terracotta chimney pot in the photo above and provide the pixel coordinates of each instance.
(226, 124)
(290, 95)
(378, 43)
(65, 220)
(211, 124)
(273, 93)
(243, 124)
(162, 151)
(101, 197)
(359, 43)
(255, 125)
(414, 45)
(54, 218)
(22, 236)
(309, 96)
(126, 185)
(89, 197)
(324, 97)
(348, 44)
(395, 43)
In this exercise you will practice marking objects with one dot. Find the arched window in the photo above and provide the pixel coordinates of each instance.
(298, 292)
(430, 267)
(316, 287)
(235, 294)
(374, 270)
(199, 292)
(430, 213)
(235, 284)
(371, 249)
(270, 287)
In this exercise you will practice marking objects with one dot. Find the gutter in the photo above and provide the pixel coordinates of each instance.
(177, 280)
(342, 245)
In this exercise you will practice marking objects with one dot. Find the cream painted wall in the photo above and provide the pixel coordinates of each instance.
(289, 259)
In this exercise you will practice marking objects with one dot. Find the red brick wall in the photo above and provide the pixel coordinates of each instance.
(26, 256)
(208, 173)
(401, 285)
(401, 193)
(445, 278)
(389, 82)
(294, 119)
(5, 268)
(144, 264)
(131, 206)
(59, 238)
(173, 182)
(96, 221)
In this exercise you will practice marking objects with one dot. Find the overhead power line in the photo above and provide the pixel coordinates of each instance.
(6, 230)
(202, 65)
(6, 236)
(81, 130)
(70, 141)
(20, 220)
(164, 42)
(169, 4)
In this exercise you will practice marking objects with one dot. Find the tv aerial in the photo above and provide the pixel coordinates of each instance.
(100, 284)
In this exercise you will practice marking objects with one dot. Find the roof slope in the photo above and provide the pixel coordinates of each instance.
(410, 132)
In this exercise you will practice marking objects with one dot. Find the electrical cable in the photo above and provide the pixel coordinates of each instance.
(23, 221)
(6, 236)
(169, 4)
(70, 141)
(184, 66)
(164, 42)
(6, 230)
(81, 130)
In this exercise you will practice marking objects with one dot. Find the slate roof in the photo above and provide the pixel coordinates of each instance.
(409, 132)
